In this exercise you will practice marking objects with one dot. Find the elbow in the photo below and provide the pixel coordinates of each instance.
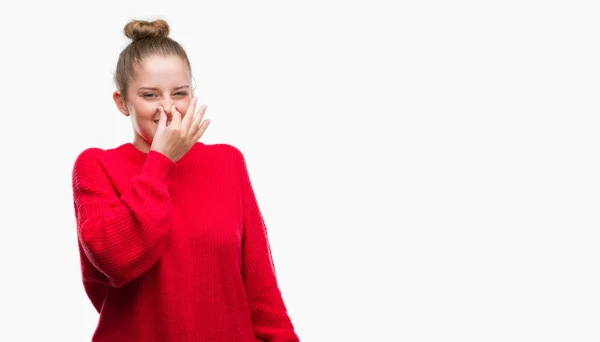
(117, 282)
(120, 274)
(122, 267)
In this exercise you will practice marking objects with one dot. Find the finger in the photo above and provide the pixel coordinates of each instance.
(201, 130)
(162, 120)
(199, 116)
(189, 114)
(175, 117)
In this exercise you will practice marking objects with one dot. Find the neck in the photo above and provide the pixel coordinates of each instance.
(140, 143)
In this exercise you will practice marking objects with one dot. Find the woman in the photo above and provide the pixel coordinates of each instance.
(172, 242)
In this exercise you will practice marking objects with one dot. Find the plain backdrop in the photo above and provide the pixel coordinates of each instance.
(427, 170)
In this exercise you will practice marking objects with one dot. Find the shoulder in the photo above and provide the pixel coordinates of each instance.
(86, 167)
(226, 153)
(222, 148)
(88, 156)
(93, 158)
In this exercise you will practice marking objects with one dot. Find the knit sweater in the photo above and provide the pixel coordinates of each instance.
(175, 251)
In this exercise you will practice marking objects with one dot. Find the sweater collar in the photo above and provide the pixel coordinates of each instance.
(139, 157)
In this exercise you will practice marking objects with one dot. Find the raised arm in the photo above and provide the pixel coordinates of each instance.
(122, 235)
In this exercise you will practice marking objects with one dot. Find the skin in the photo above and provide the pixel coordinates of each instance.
(159, 83)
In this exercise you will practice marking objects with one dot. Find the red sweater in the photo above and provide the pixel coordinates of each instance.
(175, 251)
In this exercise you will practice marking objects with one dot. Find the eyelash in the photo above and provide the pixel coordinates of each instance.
(181, 93)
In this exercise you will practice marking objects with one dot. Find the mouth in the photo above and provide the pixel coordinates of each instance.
(168, 122)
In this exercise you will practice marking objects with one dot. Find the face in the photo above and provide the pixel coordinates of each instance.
(158, 81)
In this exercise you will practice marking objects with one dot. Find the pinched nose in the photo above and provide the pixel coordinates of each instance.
(167, 110)
(167, 104)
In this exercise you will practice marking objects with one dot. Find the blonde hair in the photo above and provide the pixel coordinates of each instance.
(149, 38)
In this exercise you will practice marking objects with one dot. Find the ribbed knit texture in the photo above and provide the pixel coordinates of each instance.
(175, 251)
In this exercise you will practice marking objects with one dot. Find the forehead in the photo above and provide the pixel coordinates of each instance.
(161, 70)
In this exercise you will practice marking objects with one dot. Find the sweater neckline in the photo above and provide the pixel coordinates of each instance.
(133, 154)
(139, 157)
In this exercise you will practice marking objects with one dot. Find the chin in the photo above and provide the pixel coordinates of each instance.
(147, 135)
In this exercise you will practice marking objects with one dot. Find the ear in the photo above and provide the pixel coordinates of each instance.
(120, 103)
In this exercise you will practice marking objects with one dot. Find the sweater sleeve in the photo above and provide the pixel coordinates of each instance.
(269, 315)
(122, 235)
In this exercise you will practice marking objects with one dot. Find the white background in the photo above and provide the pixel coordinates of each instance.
(428, 170)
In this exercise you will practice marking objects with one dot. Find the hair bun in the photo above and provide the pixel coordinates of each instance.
(140, 29)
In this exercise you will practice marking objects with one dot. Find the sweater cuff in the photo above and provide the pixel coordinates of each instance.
(159, 167)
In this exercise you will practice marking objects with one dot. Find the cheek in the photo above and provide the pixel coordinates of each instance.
(145, 111)
(182, 105)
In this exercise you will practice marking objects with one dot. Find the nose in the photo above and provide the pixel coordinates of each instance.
(167, 105)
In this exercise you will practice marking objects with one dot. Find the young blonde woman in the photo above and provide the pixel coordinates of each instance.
(172, 242)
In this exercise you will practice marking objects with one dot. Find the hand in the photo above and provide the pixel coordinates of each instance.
(175, 140)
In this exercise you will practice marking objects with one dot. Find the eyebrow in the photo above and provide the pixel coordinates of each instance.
(152, 88)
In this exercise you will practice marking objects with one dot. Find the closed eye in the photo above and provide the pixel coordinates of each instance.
(150, 95)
